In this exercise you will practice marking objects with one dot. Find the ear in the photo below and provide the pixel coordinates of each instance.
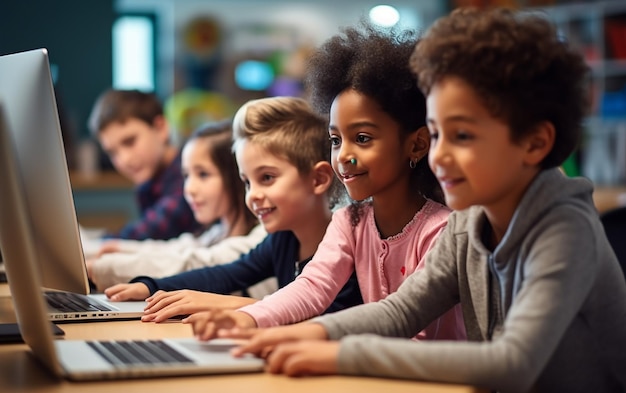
(322, 176)
(539, 143)
(160, 125)
(419, 143)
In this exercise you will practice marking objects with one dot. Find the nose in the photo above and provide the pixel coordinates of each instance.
(437, 153)
(190, 185)
(253, 196)
(123, 158)
(343, 154)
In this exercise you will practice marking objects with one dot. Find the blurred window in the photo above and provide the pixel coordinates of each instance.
(134, 44)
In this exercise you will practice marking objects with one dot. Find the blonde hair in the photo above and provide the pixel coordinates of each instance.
(288, 128)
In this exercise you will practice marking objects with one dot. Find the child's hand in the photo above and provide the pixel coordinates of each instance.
(164, 305)
(310, 357)
(124, 292)
(262, 341)
(206, 324)
(109, 247)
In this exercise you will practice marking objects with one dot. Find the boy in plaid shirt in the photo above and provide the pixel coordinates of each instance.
(132, 130)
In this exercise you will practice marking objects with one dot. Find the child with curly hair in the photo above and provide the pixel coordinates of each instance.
(543, 297)
(379, 144)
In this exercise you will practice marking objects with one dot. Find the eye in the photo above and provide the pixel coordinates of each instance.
(128, 142)
(246, 183)
(334, 140)
(203, 174)
(462, 135)
(185, 175)
(434, 135)
(267, 178)
(363, 138)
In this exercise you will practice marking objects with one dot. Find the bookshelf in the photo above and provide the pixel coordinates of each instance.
(598, 30)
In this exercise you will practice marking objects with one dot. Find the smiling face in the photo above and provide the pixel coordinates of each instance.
(204, 185)
(471, 151)
(135, 148)
(368, 154)
(275, 190)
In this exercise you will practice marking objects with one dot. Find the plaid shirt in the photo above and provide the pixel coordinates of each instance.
(164, 212)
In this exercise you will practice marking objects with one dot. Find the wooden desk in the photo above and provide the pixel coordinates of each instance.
(20, 372)
(608, 198)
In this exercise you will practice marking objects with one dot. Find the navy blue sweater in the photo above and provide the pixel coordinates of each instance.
(275, 256)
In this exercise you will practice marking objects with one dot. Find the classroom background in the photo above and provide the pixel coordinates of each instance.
(204, 58)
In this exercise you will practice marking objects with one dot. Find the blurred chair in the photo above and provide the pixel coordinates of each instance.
(614, 222)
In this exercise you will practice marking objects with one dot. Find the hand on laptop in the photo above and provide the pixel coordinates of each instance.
(308, 357)
(109, 246)
(206, 324)
(300, 349)
(124, 292)
(262, 341)
(164, 305)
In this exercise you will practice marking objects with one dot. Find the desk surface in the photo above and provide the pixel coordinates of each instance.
(20, 372)
(99, 181)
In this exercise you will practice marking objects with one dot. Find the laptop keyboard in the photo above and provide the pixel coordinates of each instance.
(68, 302)
(139, 352)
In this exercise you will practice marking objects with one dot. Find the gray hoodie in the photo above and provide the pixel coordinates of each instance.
(545, 311)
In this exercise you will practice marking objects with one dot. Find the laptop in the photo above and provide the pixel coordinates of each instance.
(84, 359)
(31, 117)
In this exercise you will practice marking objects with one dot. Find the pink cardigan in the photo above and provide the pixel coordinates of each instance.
(381, 266)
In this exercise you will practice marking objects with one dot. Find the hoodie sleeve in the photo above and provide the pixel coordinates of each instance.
(559, 264)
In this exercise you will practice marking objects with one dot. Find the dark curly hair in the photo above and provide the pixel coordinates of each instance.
(374, 62)
(518, 64)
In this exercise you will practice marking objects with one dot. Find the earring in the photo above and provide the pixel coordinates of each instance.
(353, 161)
(412, 163)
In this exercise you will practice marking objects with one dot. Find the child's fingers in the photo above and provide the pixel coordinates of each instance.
(237, 332)
(110, 291)
(261, 352)
(277, 358)
(260, 342)
(197, 322)
(155, 295)
(202, 325)
(147, 318)
(174, 310)
(205, 324)
(124, 294)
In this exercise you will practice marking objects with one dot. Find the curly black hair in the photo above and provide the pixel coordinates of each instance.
(516, 61)
(374, 62)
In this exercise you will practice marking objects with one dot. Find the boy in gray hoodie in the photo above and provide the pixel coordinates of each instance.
(543, 297)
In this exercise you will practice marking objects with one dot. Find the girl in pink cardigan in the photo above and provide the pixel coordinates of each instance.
(379, 146)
